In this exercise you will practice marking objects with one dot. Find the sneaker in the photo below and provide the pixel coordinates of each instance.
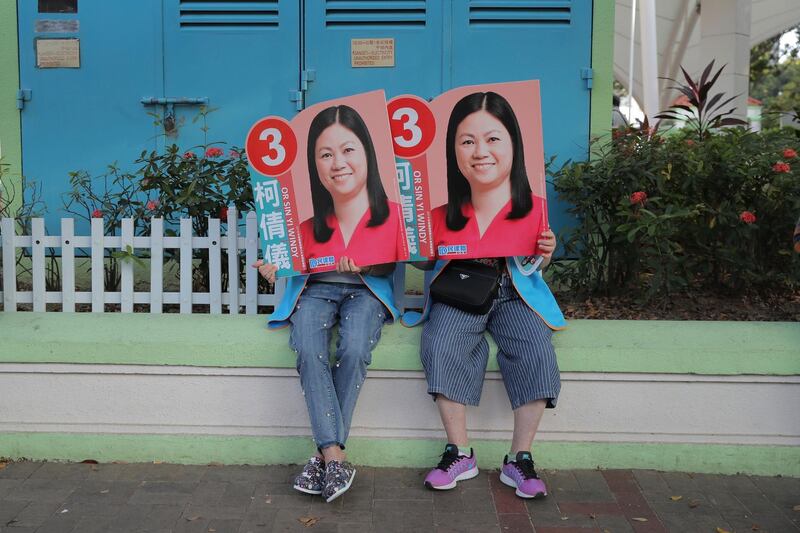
(452, 469)
(338, 478)
(521, 475)
(312, 479)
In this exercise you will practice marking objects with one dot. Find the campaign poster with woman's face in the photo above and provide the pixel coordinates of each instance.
(486, 166)
(339, 191)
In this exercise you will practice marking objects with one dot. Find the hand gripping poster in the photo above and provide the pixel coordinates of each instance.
(325, 186)
(486, 165)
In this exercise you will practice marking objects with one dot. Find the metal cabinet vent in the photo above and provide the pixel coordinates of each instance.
(228, 14)
(375, 13)
(493, 13)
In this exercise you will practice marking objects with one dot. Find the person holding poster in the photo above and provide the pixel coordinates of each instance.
(333, 213)
(360, 300)
(490, 206)
(352, 215)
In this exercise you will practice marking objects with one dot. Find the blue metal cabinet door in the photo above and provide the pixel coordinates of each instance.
(548, 40)
(415, 26)
(243, 56)
(90, 116)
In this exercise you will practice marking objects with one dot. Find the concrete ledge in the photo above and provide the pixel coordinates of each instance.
(714, 397)
(727, 348)
(202, 449)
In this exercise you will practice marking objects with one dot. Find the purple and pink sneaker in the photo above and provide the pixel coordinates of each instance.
(452, 469)
(521, 475)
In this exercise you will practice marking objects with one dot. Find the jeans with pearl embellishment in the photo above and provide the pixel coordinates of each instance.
(331, 388)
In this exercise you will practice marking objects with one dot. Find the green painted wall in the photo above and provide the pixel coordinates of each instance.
(762, 348)
(603, 67)
(10, 141)
(199, 449)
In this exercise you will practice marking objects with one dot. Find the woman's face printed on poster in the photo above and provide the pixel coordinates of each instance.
(343, 169)
(484, 152)
(341, 162)
(485, 159)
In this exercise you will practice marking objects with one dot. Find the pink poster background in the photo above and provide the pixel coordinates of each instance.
(524, 98)
(501, 236)
(372, 108)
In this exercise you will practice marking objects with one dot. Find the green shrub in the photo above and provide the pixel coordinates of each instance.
(716, 212)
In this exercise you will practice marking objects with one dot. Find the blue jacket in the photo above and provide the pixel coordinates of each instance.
(532, 289)
(381, 286)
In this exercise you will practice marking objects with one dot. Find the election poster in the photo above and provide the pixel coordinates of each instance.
(486, 171)
(325, 186)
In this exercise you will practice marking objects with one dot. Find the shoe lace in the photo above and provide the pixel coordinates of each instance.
(526, 467)
(448, 458)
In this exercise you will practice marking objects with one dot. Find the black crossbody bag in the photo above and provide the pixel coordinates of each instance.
(467, 285)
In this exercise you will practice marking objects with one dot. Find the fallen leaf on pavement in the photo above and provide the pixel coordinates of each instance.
(3, 465)
(308, 521)
(192, 518)
(721, 530)
(104, 491)
(564, 518)
(796, 508)
(64, 511)
(639, 519)
(268, 499)
(676, 498)
(211, 530)
(89, 462)
(693, 503)
(593, 516)
(157, 462)
(755, 528)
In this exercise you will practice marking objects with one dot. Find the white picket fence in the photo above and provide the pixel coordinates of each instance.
(236, 298)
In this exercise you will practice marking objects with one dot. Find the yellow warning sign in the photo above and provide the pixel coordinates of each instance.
(372, 52)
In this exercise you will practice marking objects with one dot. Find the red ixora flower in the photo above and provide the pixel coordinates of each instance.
(223, 212)
(781, 167)
(97, 214)
(214, 152)
(639, 197)
(235, 155)
(789, 153)
(747, 217)
(689, 142)
(151, 205)
(189, 155)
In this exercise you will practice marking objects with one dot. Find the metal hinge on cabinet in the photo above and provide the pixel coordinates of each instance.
(587, 74)
(306, 77)
(298, 97)
(23, 95)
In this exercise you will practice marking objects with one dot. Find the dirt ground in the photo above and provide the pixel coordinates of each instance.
(770, 307)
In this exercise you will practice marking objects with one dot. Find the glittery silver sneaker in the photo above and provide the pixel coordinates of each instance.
(338, 478)
(312, 479)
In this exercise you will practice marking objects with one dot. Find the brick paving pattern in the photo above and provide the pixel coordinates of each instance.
(164, 498)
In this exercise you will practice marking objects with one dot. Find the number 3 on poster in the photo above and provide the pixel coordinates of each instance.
(271, 146)
(413, 126)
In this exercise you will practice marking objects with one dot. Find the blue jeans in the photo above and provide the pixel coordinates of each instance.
(331, 390)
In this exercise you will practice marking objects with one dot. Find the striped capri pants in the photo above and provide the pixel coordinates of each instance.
(454, 351)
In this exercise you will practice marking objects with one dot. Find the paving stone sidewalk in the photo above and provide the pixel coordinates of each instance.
(87, 498)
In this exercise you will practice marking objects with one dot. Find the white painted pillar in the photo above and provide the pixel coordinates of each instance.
(725, 37)
(631, 51)
(647, 33)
